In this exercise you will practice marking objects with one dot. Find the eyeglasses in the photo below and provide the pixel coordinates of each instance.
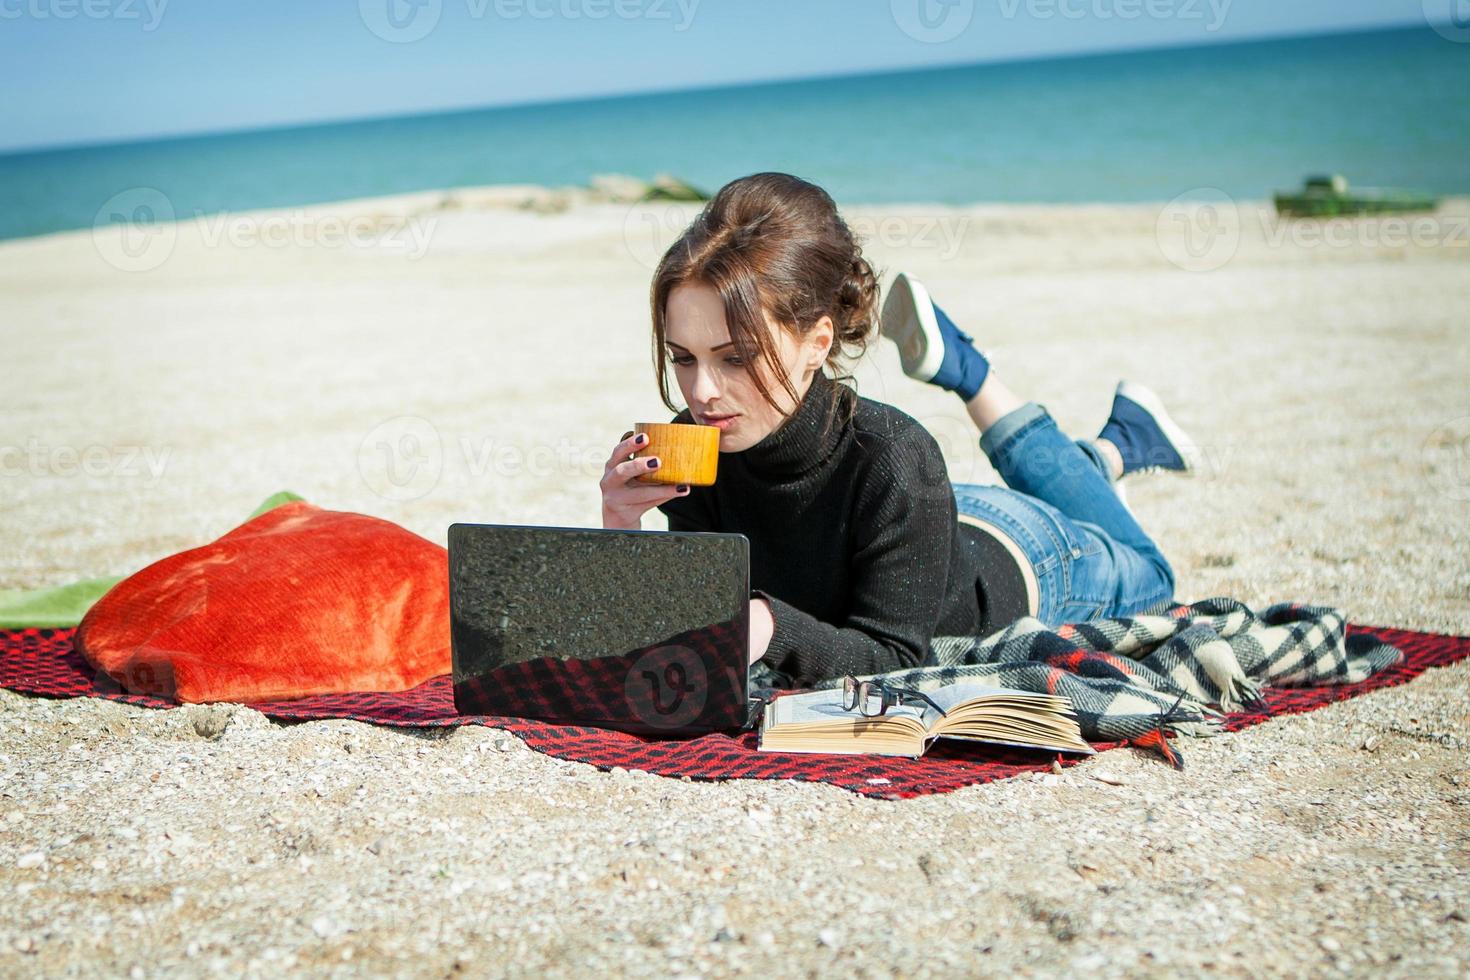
(873, 698)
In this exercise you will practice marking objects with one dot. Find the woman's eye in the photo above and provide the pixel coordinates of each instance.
(686, 359)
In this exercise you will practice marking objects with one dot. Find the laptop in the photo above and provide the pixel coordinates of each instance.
(642, 631)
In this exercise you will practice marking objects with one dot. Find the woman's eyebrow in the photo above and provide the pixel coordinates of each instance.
(728, 343)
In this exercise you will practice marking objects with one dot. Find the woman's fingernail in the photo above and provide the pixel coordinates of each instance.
(641, 439)
(652, 463)
(683, 488)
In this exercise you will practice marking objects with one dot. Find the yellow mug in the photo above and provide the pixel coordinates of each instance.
(687, 453)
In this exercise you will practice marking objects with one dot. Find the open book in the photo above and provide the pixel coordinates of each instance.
(816, 722)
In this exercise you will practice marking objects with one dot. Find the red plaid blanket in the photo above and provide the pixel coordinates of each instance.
(42, 662)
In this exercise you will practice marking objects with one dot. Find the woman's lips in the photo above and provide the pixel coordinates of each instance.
(719, 422)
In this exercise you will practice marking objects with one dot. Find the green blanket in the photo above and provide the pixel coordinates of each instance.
(64, 605)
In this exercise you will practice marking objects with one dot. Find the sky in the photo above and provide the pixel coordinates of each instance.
(103, 71)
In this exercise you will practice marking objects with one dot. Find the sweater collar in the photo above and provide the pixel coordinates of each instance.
(798, 443)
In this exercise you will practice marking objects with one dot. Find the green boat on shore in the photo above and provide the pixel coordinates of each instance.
(1325, 197)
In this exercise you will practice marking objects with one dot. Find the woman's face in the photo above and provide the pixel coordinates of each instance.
(715, 381)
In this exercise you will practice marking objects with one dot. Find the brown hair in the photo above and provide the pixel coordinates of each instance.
(772, 243)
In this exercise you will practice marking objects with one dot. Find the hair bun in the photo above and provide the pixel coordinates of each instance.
(858, 299)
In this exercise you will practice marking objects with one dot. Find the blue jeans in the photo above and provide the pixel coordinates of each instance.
(1090, 556)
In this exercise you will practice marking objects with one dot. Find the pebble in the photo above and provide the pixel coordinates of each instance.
(1002, 894)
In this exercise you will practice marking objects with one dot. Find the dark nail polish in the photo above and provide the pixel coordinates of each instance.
(641, 439)
(683, 488)
(652, 463)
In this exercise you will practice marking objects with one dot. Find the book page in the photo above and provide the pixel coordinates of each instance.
(950, 695)
(826, 706)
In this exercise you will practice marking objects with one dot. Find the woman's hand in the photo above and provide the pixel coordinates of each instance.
(762, 626)
(623, 498)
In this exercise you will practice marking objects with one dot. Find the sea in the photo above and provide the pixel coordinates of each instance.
(1384, 108)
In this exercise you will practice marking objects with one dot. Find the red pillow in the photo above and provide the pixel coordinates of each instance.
(294, 602)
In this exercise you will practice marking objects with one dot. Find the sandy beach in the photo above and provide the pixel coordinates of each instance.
(474, 356)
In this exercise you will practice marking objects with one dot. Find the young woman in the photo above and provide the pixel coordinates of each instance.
(861, 548)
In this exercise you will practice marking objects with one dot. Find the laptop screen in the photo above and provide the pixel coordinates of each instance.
(644, 631)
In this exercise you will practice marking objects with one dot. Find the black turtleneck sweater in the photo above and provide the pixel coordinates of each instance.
(854, 537)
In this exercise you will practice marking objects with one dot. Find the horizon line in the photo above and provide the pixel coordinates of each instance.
(20, 151)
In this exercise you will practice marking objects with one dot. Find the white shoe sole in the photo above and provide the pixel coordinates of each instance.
(1186, 447)
(908, 320)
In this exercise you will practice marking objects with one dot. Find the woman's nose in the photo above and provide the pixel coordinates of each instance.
(705, 389)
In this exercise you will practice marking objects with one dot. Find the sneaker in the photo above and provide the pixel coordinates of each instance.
(930, 346)
(1146, 436)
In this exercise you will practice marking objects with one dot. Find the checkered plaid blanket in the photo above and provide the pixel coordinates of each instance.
(1135, 677)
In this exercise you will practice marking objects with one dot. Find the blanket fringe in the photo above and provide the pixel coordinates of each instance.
(1240, 694)
(1158, 741)
(1204, 728)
